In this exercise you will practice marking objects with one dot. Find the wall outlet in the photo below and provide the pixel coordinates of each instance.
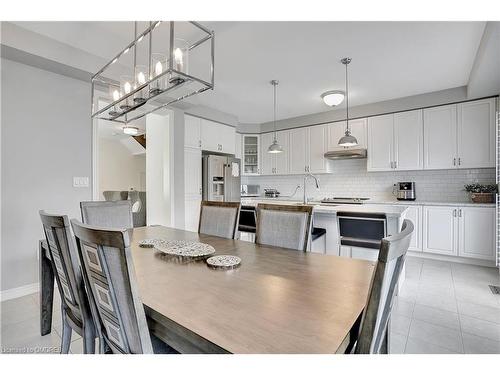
(80, 182)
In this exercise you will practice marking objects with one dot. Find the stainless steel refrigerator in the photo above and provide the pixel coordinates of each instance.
(221, 178)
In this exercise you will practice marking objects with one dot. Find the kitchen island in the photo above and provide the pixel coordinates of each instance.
(326, 216)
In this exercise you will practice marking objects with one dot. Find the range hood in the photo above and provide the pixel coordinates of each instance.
(346, 154)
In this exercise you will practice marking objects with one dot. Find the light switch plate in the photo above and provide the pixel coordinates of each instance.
(80, 182)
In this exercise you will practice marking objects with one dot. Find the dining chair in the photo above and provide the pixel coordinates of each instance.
(138, 201)
(75, 309)
(219, 218)
(114, 195)
(108, 214)
(109, 276)
(285, 226)
(373, 334)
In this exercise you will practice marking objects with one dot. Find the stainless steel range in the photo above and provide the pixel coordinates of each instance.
(344, 200)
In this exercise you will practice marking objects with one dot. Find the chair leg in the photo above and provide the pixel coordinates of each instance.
(88, 341)
(66, 334)
(384, 348)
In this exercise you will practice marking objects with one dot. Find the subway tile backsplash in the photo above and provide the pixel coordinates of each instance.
(350, 178)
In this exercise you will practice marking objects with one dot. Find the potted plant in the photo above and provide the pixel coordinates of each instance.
(481, 193)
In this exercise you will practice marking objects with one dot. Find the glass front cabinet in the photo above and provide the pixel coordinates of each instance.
(250, 155)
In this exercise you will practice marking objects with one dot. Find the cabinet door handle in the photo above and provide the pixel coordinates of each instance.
(454, 161)
(459, 161)
(454, 212)
(395, 165)
(459, 212)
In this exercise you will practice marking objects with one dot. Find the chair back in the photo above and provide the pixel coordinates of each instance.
(114, 195)
(109, 276)
(108, 214)
(373, 334)
(283, 225)
(138, 201)
(219, 218)
(63, 253)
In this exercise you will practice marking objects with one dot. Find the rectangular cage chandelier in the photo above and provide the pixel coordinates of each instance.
(165, 63)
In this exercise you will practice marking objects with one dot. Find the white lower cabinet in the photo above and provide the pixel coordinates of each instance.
(359, 253)
(415, 214)
(476, 232)
(440, 229)
(459, 231)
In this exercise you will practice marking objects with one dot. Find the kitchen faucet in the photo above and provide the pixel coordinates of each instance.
(305, 180)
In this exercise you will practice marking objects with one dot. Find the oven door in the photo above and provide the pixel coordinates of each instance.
(362, 229)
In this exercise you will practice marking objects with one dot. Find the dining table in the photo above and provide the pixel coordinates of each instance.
(276, 301)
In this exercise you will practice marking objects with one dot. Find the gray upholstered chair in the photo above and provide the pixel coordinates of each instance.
(113, 195)
(138, 201)
(116, 214)
(373, 335)
(109, 277)
(75, 309)
(219, 218)
(283, 225)
(136, 198)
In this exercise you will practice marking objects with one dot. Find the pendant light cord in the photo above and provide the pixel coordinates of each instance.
(347, 94)
(274, 109)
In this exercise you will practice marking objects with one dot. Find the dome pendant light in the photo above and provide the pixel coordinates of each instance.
(275, 147)
(347, 140)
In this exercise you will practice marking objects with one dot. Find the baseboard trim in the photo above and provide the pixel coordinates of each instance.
(22, 291)
(455, 259)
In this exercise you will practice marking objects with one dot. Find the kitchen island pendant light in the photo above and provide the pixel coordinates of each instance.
(347, 140)
(275, 147)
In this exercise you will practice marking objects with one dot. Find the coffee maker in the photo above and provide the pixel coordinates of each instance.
(405, 191)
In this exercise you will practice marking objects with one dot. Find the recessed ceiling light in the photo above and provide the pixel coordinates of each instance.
(130, 130)
(333, 98)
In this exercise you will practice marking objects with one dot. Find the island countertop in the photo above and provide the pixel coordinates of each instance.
(387, 209)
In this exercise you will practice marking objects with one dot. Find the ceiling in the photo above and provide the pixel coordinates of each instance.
(389, 60)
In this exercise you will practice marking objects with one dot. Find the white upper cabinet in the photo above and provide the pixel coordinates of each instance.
(476, 134)
(274, 163)
(307, 148)
(408, 140)
(267, 160)
(380, 143)
(440, 137)
(237, 145)
(336, 131)
(317, 145)
(460, 135)
(192, 135)
(217, 137)
(395, 142)
(250, 161)
(298, 150)
(281, 161)
(477, 232)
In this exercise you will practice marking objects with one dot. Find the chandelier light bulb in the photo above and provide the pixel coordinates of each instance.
(141, 78)
(127, 87)
(158, 68)
(116, 95)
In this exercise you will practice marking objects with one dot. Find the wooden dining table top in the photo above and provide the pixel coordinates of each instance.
(276, 301)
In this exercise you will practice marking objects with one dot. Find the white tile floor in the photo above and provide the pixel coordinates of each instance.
(446, 307)
(443, 308)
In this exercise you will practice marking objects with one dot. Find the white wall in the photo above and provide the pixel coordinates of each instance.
(118, 168)
(350, 178)
(159, 167)
(46, 141)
